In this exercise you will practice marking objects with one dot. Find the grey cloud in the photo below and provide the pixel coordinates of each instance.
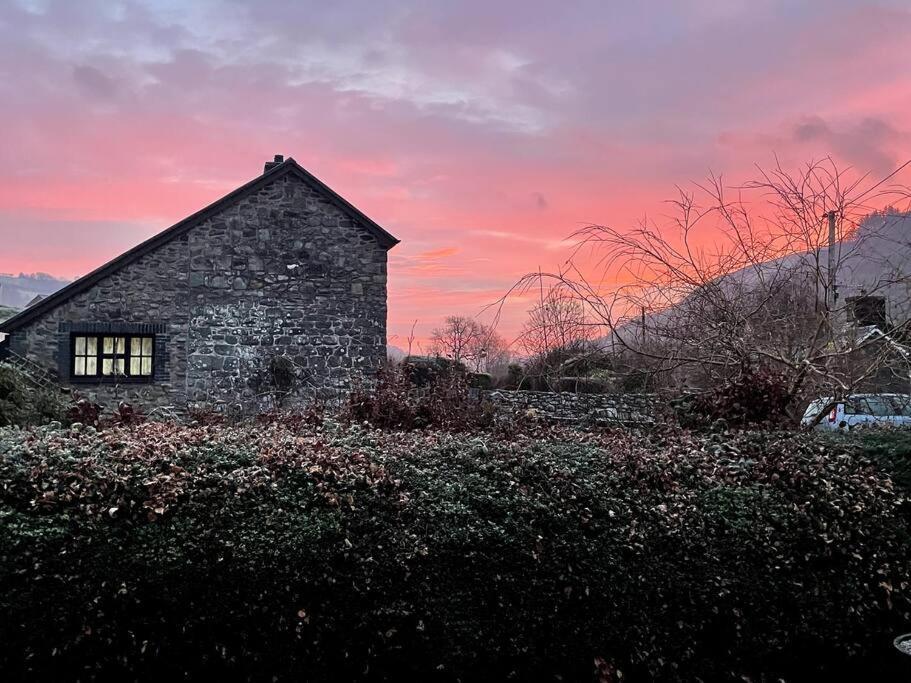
(94, 82)
(811, 128)
(870, 144)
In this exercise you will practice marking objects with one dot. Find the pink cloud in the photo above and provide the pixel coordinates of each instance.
(482, 144)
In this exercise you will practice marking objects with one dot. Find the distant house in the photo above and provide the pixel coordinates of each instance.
(35, 300)
(280, 286)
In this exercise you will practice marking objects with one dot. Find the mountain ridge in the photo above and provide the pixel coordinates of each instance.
(16, 291)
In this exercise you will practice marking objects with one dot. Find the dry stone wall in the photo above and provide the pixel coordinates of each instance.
(579, 409)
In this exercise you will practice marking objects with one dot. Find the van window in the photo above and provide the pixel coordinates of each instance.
(857, 406)
(879, 406)
(901, 405)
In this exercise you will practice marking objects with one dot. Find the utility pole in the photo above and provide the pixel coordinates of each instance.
(831, 282)
(642, 313)
(832, 295)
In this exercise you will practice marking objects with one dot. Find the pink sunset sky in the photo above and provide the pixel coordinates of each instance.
(480, 133)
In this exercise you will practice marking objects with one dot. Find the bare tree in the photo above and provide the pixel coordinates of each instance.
(411, 338)
(767, 273)
(467, 341)
(557, 336)
(459, 339)
(491, 354)
(558, 322)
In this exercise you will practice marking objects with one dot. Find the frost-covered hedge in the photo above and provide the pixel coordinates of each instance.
(300, 553)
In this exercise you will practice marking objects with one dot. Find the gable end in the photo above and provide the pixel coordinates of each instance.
(287, 167)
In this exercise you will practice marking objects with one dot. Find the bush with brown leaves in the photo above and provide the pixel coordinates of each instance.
(395, 400)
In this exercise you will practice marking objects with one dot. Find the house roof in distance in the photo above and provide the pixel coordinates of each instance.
(274, 170)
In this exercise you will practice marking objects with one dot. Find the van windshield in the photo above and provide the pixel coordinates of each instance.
(815, 407)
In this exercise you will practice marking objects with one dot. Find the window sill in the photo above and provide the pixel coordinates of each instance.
(110, 380)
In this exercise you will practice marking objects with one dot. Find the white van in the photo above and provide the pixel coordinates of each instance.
(861, 409)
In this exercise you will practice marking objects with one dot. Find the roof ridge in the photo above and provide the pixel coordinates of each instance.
(289, 165)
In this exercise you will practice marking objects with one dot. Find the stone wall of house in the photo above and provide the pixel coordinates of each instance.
(281, 273)
(284, 274)
(577, 409)
(150, 291)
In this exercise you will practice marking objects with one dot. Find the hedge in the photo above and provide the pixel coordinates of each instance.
(283, 551)
(889, 449)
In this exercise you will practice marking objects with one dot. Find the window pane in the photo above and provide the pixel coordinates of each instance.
(857, 406)
(133, 359)
(879, 407)
(902, 405)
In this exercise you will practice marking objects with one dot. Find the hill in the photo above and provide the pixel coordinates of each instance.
(16, 291)
(875, 259)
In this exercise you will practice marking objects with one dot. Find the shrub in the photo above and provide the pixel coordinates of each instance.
(423, 371)
(890, 448)
(387, 403)
(513, 378)
(396, 401)
(84, 411)
(23, 404)
(306, 419)
(282, 377)
(205, 415)
(752, 397)
(637, 380)
(128, 414)
(259, 552)
(581, 385)
(480, 380)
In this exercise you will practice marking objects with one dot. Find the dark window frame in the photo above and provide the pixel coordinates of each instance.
(100, 356)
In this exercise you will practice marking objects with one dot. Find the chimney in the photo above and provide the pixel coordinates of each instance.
(275, 162)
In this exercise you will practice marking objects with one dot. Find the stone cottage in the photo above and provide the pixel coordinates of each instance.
(278, 289)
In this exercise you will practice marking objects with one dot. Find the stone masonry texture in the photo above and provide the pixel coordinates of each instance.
(577, 409)
(283, 273)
